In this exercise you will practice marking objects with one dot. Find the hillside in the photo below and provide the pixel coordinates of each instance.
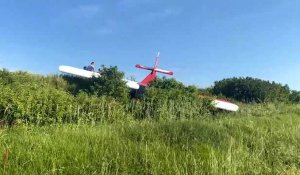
(65, 125)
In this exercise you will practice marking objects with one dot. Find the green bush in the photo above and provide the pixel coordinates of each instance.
(251, 90)
(110, 84)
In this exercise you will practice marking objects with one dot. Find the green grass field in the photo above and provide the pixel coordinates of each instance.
(49, 125)
(260, 141)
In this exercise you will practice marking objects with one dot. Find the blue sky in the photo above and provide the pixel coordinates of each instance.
(201, 41)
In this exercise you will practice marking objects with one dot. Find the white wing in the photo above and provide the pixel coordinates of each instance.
(78, 72)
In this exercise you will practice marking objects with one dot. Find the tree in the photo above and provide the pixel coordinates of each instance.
(110, 83)
(251, 90)
(170, 88)
(294, 97)
(167, 83)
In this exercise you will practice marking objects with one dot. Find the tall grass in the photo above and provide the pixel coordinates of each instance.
(27, 98)
(228, 145)
(46, 106)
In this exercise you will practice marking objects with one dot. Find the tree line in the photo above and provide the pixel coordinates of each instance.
(248, 90)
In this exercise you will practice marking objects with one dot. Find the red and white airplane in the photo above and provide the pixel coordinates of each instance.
(131, 84)
(139, 86)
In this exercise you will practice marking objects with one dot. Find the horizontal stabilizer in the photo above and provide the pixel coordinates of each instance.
(143, 67)
(164, 71)
(157, 70)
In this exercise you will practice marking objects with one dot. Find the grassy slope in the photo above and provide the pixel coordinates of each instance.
(266, 144)
(260, 139)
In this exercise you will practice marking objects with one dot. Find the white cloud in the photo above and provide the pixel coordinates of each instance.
(80, 15)
(109, 26)
(162, 14)
(86, 11)
(155, 15)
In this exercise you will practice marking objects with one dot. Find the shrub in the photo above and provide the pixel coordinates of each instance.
(251, 90)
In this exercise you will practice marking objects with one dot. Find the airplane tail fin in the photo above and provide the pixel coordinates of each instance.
(153, 70)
